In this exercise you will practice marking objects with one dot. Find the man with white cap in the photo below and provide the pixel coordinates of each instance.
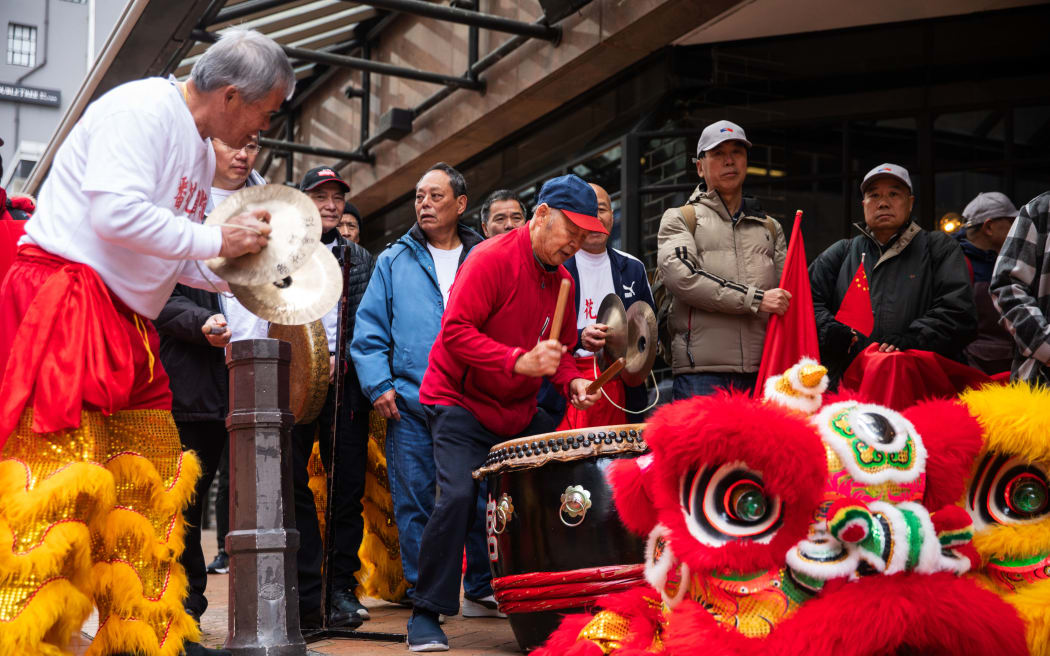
(1020, 288)
(918, 281)
(988, 219)
(720, 257)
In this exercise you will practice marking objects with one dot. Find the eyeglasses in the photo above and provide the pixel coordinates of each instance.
(250, 148)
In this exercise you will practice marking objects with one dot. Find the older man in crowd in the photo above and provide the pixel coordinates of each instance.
(485, 369)
(501, 212)
(397, 323)
(918, 280)
(350, 223)
(87, 414)
(328, 192)
(598, 270)
(195, 326)
(1020, 287)
(988, 219)
(721, 258)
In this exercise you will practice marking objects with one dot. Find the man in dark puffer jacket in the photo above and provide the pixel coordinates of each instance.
(920, 285)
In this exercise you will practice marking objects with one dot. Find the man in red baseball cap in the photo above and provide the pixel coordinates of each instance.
(492, 353)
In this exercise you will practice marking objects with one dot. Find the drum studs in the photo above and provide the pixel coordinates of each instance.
(575, 502)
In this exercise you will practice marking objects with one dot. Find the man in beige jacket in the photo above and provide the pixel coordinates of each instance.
(720, 257)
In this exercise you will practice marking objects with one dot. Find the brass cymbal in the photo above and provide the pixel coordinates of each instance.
(306, 295)
(296, 226)
(308, 370)
(641, 343)
(611, 312)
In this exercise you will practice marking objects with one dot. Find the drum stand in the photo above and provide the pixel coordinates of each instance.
(326, 573)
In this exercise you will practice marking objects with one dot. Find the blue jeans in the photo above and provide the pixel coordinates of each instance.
(461, 445)
(412, 474)
(689, 385)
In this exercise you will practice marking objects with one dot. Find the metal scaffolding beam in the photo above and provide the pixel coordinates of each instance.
(291, 146)
(246, 9)
(357, 63)
(467, 17)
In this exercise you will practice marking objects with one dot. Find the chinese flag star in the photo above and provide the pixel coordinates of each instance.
(855, 310)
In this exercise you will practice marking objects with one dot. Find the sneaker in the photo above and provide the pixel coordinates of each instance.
(346, 610)
(483, 607)
(424, 633)
(221, 564)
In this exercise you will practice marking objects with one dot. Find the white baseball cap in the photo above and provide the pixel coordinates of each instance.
(988, 205)
(718, 132)
(887, 169)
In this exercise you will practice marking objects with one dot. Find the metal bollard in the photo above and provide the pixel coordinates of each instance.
(262, 543)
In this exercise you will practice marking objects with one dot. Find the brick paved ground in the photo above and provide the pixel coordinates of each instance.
(467, 637)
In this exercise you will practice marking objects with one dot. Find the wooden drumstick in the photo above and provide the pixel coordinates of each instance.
(606, 376)
(559, 310)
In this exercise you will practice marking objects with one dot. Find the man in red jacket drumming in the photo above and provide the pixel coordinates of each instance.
(486, 366)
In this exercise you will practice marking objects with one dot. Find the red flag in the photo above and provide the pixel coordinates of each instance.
(794, 335)
(855, 310)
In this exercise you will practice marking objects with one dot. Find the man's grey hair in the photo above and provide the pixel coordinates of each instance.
(250, 61)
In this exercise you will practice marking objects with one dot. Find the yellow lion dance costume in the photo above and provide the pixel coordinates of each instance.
(1009, 500)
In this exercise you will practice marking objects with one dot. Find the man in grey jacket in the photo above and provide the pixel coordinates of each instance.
(720, 257)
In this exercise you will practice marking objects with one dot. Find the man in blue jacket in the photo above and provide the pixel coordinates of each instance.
(598, 270)
(397, 323)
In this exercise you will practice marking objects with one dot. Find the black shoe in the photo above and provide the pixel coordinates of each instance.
(221, 564)
(347, 611)
(197, 649)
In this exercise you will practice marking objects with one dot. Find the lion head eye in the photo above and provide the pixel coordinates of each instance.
(729, 502)
(874, 428)
(1008, 490)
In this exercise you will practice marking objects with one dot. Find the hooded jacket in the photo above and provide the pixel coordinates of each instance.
(717, 275)
(399, 316)
(920, 294)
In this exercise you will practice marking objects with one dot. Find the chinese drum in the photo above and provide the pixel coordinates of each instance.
(556, 543)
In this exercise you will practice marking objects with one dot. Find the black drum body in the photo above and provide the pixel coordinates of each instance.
(555, 540)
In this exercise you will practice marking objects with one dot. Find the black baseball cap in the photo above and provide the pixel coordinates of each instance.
(318, 176)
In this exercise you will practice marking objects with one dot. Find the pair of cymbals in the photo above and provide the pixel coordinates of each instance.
(631, 336)
(295, 279)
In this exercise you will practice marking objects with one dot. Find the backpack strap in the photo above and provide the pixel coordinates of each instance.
(772, 230)
(689, 216)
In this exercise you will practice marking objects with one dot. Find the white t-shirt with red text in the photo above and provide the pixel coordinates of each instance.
(595, 283)
(127, 193)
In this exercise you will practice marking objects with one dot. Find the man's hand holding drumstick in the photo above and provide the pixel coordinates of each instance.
(544, 358)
